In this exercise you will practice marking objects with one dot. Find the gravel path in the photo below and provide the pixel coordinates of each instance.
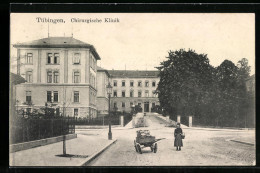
(201, 148)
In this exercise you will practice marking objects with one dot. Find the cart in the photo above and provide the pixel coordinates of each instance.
(144, 139)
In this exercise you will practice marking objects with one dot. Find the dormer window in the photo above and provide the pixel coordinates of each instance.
(76, 58)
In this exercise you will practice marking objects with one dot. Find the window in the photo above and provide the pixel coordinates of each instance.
(49, 77)
(56, 96)
(29, 76)
(76, 96)
(28, 96)
(115, 83)
(146, 83)
(56, 77)
(76, 111)
(139, 104)
(139, 93)
(115, 93)
(76, 77)
(76, 58)
(48, 96)
(153, 83)
(123, 83)
(53, 58)
(153, 105)
(56, 58)
(49, 57)
(139, 83)
(131, 93)
(131, 83)
(123, 93)
(146, 93)
(123, 104)
(154, 93)
(131, 104)
(115, 105)
(29, 58)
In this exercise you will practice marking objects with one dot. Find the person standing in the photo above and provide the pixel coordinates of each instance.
(178, 137)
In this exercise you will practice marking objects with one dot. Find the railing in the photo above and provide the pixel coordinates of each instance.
(104, 119)
(29, 129)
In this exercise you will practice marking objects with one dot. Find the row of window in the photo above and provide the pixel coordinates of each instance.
(131, 84)
(54, 76)
(53, 58)
(131, 103)
(93, 80)
(92, 62)
(52, 96)
(92, 98)
(131, 93)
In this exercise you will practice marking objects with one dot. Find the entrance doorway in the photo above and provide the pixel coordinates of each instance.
(146, 106)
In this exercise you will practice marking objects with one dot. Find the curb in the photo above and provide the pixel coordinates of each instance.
(214, 129)
(242, 142)
(38, 143)
(93, 156)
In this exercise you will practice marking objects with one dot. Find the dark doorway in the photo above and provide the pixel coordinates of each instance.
(146, 106)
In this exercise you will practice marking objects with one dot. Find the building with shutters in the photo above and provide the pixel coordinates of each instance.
(59, 71)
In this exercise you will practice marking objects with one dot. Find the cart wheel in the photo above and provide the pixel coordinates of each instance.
(155, 148)
(139, 148)
(151, 148)
(135, 146)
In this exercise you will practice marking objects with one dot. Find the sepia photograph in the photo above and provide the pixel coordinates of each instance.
(132, 89)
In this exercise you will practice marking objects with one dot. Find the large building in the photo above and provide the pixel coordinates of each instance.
(102, 96)
(60, 71)
(134, 88)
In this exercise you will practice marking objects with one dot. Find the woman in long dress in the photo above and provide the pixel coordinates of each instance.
(178, 137)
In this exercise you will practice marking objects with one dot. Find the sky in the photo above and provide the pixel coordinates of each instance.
(140, 41)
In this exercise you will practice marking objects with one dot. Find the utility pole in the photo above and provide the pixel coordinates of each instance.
(63, 129)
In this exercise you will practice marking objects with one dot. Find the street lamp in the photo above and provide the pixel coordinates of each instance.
(109, 92)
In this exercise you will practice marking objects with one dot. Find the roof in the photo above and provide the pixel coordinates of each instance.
(57, 42)
(133, 74)
(16, 79)
(99, 69)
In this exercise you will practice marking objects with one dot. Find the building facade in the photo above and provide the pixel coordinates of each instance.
(102, 96)
(134, 88)
(60, 72)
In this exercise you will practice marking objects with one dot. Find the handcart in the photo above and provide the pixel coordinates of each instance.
(144, 139)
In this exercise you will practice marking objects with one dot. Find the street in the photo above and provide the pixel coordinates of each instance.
(202, 147)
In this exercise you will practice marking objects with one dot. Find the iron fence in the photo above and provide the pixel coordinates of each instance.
(104, 119)
(36, 128)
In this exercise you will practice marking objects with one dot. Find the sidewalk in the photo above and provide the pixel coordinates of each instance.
(83, 148)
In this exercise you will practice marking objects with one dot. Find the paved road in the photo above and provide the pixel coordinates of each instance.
(201, 148)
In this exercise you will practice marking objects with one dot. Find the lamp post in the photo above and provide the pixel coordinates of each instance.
(109, 91)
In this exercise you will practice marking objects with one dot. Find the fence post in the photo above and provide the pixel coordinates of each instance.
(39, 131)
(122, 121)
(190, 121)
(52, 127)
(178, 119)
(23, 128)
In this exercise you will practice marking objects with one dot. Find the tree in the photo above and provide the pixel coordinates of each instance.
(233, 94)
(185, 82)
(227, 74)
